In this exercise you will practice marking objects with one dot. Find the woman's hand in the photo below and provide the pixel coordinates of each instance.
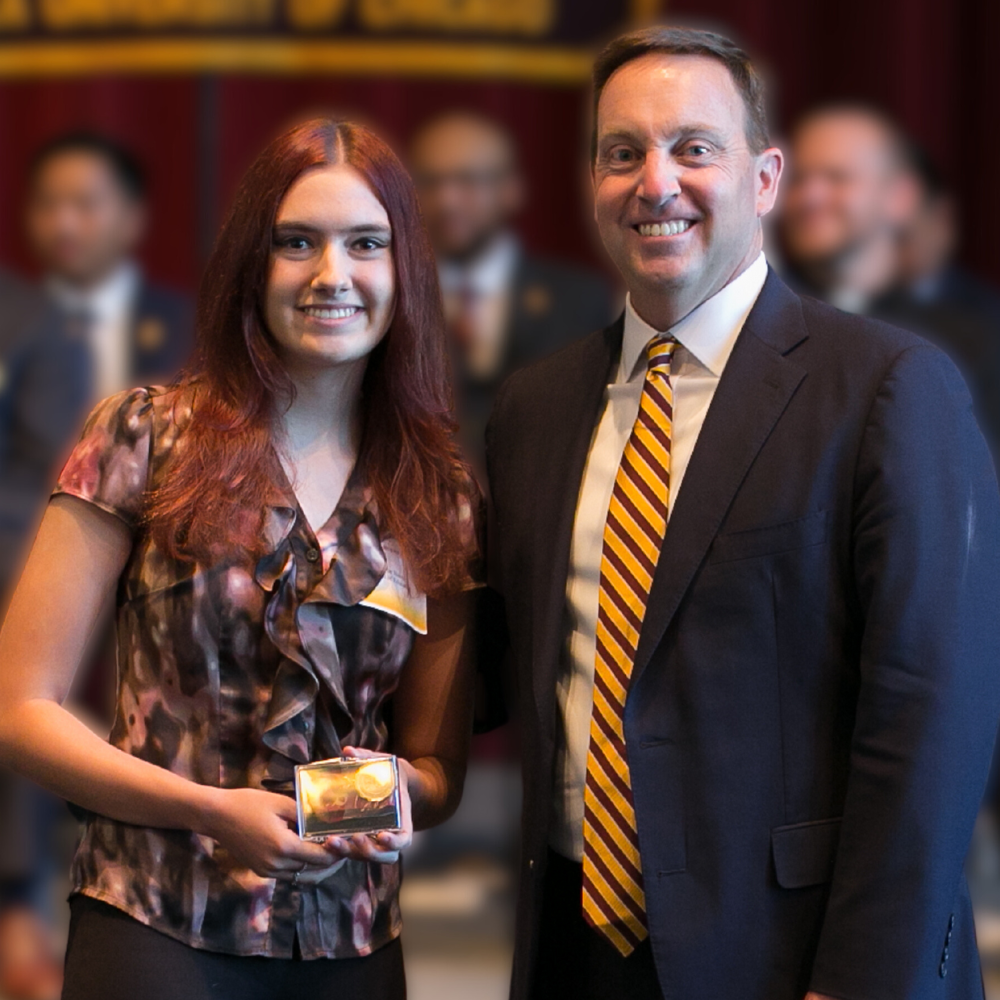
(255, 828)
(383, 847)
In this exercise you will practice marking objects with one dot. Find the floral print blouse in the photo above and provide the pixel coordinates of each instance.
(229, 674)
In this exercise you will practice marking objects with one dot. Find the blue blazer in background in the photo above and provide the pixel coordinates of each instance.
(162, 334)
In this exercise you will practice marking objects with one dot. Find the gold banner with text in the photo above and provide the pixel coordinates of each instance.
(544, 40)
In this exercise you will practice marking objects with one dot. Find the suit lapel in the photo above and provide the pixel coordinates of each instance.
(150, 337)
(577, 402)
(755, 388)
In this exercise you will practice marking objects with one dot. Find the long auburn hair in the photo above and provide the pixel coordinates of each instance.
(224, 472)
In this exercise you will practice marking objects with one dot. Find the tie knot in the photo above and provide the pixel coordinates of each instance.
(659, 352)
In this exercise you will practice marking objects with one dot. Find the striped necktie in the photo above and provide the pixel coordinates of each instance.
(614, 901)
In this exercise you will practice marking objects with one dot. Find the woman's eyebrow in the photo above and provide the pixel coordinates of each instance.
(308, 227)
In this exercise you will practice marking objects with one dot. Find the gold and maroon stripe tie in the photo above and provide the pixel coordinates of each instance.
(614, 901)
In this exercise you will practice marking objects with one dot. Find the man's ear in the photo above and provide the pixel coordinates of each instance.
(767, 174)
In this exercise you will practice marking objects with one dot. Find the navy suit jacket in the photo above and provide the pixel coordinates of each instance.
(162, 334)
(44, 392)
(816, 687)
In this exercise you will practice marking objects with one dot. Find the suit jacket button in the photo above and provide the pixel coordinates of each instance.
(951, 922)
(943, 970)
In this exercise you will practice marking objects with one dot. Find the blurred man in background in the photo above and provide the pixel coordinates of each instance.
(869, 225)
(44, 390)
(848, 197)
(937, 297)
(505, 307)
(86, 218)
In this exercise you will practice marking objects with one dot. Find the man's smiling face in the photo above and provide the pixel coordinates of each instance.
(678, 193)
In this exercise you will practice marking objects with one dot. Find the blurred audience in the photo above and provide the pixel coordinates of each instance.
(44, 388)
(86, 218)
(505, 306)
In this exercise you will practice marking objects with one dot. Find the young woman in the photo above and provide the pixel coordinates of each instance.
(288, 533)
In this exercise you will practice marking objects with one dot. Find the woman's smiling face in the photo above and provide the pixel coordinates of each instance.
(331, 285)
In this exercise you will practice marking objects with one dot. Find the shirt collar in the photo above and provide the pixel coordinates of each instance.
(708, 332)
(113, 296)
(489, 273)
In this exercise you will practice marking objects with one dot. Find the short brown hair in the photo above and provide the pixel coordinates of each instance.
(688, 42)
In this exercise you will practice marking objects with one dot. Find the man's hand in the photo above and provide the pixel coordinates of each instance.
(819, 996)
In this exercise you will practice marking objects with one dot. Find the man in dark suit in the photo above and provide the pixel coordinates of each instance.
(86, 218)
(44, 391)
(506, 307)
(754, 741)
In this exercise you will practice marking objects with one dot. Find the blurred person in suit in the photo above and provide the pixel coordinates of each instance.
(869, 225)
(504, 305)
(849, 195)
(44, 392)
(86, 218)
(748, 546)
(942, 300)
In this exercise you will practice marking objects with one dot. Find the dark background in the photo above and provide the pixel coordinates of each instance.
(927, 62)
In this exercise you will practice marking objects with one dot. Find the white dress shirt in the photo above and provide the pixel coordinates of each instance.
(705, 339)
(109, 308)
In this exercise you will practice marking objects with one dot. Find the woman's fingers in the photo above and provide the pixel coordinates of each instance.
(284, 807)
(303, 852)
(291, 869)
(383, 848)
(393, 840)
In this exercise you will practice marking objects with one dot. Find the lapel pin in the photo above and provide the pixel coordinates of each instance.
(150, 334)
(536, 300)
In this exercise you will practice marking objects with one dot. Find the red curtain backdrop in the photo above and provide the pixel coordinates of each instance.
(928, 62)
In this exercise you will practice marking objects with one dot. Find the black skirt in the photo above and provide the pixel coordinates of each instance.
(111, 956)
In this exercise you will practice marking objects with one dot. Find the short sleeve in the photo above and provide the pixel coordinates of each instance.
(110, 464)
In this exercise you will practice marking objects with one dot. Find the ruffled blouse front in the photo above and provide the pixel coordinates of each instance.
(229, 675)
